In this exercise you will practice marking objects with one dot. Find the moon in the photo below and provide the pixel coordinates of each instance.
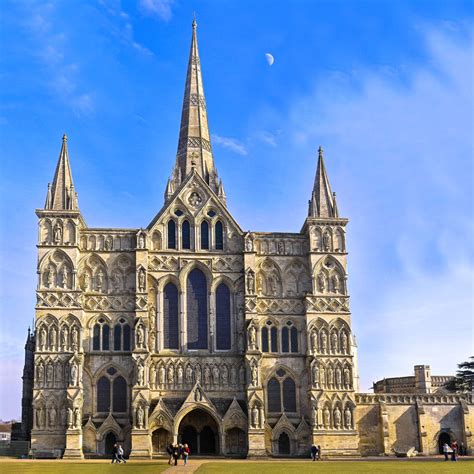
(270, 59)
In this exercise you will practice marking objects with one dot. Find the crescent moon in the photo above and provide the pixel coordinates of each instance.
(270, 59)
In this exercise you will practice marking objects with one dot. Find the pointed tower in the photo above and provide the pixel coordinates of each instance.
(61, 194)
(323, 202)
(194, 145)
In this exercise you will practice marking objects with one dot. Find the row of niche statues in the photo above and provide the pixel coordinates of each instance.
(66, 339)
(185, 376)
(275, 247)
(332, 377)
(50, 417)
(55, 374)
(58, 234)
(336, 418)
(329, 283)
(107, 243)
(328, 240)
(61, 278)
(337, 342)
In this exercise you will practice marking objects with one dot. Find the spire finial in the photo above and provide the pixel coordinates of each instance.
(64, 138)
(194, 21)
(320, 151)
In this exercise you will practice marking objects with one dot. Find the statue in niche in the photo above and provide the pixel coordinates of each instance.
(59, 373)
(215, 375)
(189, 375)
(140, 336)
(255, 417)
(322, 377)
(40, 373)
(207, 376)
(337, 417)
(314, 416)
(74, 374)
(233, 376)
(326, 417)
(50, 276)
(314, 341)
(86, 281)
(336, 283)
(49, 374)
(141, 280)
(225, 376)
(108, 243)
(42, 338)
(161, 376)
(52, 416)
(152, 376)
(326, 240)
(254, 375)
(272, 285)
(348, 418)
(344, 342)
(330, 377)
(117, 280)
(333, 342)
(324, 342)
(347, 378)
(249, 243)
(242, 375)
(281, 247)
(338, 377)
(64, 338)
(141, 241)
(140, 374)
(180, 375)
(250, 282)
(252, 337)
(53, 336)
(197, 395)
(58, 234)
(77, 418)
(140, 417)
(39, 417)
(197, 373)
(321, 282)
(75, 339)
(170, 375)
(100, 280)
(69, 417)
(315, 375)
(65, 277)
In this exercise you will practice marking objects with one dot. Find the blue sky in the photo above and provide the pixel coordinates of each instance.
(384, 86)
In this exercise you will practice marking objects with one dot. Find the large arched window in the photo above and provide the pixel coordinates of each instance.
(185, 235)
(171, 234)
(121, 336)
(170, 317)
(101, 336)
(281, 393)
(204, 235)
(196, 307)
(219, 235)
(223, 330)
(112, 392)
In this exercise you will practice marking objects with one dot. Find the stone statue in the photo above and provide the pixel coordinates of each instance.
(140, 375)
(52, 416)
(250, 282)
(100, 280)
(326, 240)
(255, 417)
(330, 377)
(249, 244)
(40, 374)
(324, 342)
(281, 247)
(74, 374)
(42, 338)
(333, 342)
(53, 337)
(140, 417)
(50, 277)
(108, 243)
(344, 342)
(321, 282)
(49, 374)
(254, 375)
(215, 375)
(75, 338)
(197, 395)
(337, 417)
(225, 376)
(141, 241)
(141, 280)
(252, 337)
(65, 276)
(335, 283)
(64, 338)
(77, 418)
(322, 377)
(170, 375)
(314, 341)
(180, 375)
(58, 234)
(117, 280)
(140, 336)
(326, 417)
(86, 281)
(152, 376)
(347, 378)
(338, 376)
(315, 375)
(233, 376)
(69, 417)
(39, 417)
(348, 418)
(161, 376)
(189, 374)
(207, 376)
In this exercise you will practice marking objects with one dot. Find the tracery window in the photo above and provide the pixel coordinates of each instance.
(101, 336)
(289, 338)
(269, 337)
(281, 393)
(223, 325)
(170, 317)
(204, 235)
(185, 235)
(196, 307)
(112, 392)
(219, 235)
(121, 336)
(171, 234)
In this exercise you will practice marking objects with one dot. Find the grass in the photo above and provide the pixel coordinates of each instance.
(59, 467)
(361, 467)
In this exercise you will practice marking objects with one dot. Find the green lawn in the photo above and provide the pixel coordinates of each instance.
(361, 467)
(58, 467)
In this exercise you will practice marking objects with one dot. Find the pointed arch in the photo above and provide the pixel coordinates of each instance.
(219, 235)
(170, 316)
(171, 227)
(223, 317)
(185, 235)
(204, 232)
(197, 309)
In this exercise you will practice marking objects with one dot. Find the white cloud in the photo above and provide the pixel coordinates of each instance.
(159, 8)
(230, 143)
(266, 137)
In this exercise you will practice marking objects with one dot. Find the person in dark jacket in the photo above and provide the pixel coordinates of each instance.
(314, 452)
(115, 454)
(169, 450)
(176, 454)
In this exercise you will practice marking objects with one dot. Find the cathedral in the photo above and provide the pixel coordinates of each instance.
(192, 330)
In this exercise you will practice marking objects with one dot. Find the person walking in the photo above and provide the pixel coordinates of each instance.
(319, 453)
(446, 451)
(120, 454)
(454, 451)
(314, 452)
(175, 454)
(186, 452)
(115, 454)
(169, 450)
(462, 449)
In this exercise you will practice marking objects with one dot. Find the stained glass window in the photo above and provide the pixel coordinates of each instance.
(204, 235)
(196, 309)
(185, 235)
(170, 317)
(171, 234)
(219, 231)
(223, 329)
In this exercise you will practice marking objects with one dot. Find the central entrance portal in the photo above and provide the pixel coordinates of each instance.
(199, 430)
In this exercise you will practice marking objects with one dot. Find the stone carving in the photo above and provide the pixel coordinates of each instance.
(197, 395)
(140, 413)
(170, 375)
(189, 375)
(58, 234)
(152, 376)
(140, 336)
(215, 375)
(250, 279)
(77, 418)
(344, 342)
(322, 377)
(53, 337)
(330, 377)
(338, 377)
(52, 416)
(64, 336)
(335, 283)
(347, 378)
(254, 375)
(141, 280)
(321, 282)
(326, 417)
(315, 375)
(99, 280)
(207, 376)
(161, 376)
(141, 241)
(180, 375)
(140, 374)
(65, 277)
(249, 243)
(75, 339)
(74, 374)
(233, 376)
(334, 342)
(326, 240)
(255, 417)
(42, 339)
(314, 342)
(324, 342)
(337, 418)
(195, 200)
(86, 282)
(348, 418)
(252, 337)
(70, 417)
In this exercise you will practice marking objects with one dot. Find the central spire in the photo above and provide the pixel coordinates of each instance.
(194, 145)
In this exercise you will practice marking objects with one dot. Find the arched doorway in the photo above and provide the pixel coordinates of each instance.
(444, 437)
(160, 440)
(200, 431)
(110, 440)
(236, 442)
(284, 445)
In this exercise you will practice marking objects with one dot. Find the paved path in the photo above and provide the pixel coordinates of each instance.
(191, 466)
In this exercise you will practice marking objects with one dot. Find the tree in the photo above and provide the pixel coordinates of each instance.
(464, 379)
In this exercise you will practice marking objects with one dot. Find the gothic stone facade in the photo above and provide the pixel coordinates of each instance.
(192, 330)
